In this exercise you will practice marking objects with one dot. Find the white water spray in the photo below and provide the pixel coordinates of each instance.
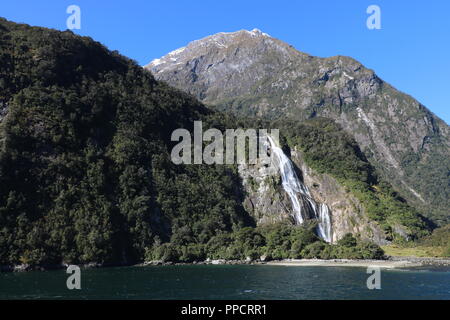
(302, 202)
(324, 225)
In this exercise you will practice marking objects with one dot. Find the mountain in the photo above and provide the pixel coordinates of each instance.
(249, 73)
(86, 174)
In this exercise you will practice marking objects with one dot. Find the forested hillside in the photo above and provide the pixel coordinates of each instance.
(85, 170)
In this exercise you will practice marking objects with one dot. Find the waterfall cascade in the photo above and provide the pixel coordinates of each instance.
(324, 225)
(303, 204)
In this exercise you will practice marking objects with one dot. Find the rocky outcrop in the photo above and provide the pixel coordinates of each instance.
(347, 213)
(265, 199)
(267, 202)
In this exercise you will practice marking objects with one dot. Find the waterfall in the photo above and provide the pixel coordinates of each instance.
(302, 202)
(324, 225)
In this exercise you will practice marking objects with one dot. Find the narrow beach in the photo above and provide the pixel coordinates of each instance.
(386, 264)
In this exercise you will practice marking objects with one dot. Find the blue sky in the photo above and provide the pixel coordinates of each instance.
(411, 51)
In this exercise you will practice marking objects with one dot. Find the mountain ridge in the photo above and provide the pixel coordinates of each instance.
(254, 75)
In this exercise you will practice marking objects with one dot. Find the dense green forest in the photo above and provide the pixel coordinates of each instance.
(86, 175)
(85, 170)
(270, 242)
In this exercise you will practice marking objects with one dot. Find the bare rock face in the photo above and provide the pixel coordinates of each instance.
(265, 199)
(347, 213)
(250, 73)
(268, 203)
(212, 75)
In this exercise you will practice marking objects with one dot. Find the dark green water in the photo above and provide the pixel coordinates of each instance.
(227, 282)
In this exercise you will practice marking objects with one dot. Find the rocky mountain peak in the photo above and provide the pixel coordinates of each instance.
(216, 42)
(219, 41)
(224, 60)
(250, 73)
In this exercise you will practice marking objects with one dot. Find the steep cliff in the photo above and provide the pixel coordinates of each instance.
(268, 203)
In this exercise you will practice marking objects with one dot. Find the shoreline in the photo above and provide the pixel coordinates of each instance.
(392, 262)
(383, 264)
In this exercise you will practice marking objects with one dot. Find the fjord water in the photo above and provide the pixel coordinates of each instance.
(227, 282)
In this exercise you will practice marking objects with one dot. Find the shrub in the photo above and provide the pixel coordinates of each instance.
(347, 241)
(313, 250)
(447, 252)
